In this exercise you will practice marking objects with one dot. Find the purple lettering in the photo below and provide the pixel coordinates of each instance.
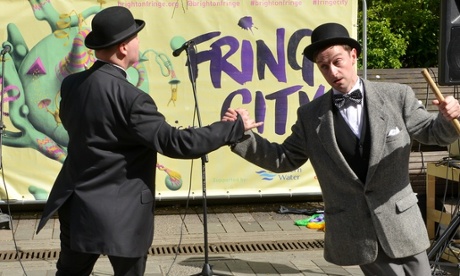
(281, 107)
(260, 108)
(293, 52)
(266, 58)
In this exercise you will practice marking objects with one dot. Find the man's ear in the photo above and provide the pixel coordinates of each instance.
(354, 55)
(122, 48)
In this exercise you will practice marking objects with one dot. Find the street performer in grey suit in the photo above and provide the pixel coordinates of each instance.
(105, 191)
(358, 139)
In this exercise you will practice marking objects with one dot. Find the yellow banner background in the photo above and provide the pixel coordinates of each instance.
(244, 47)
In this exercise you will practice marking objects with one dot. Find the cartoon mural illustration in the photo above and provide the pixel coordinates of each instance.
(32, 78)
(173, 180)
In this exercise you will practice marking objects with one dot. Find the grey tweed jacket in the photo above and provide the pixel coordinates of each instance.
(382, 209)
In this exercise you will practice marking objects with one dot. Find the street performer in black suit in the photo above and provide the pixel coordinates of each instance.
(105, 191)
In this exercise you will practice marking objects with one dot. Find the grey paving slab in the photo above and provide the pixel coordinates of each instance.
(215, 227)
(270, 226)
(263, 216)
(25, 230)
(45, 234)
(244, 217)
(194, 228)
(6, 235)
(354, 270)
(191, 217)
(334, 270)
(262, 268)
(251, 226)
(233, 227)
(227, 217)
(239, 267)
(56, 228)
(211, 218)
(284, 267)
(168, 225)
(281, 217)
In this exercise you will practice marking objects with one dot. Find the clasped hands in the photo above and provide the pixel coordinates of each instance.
(231, 114)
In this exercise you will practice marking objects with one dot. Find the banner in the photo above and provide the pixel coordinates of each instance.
(238, 53)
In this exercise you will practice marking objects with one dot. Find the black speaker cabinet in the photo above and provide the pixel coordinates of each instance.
(449, 43)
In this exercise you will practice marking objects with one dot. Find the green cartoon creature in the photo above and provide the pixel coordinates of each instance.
(32, 78)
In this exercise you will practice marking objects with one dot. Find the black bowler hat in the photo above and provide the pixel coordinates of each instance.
(329, 34)
(111, 26)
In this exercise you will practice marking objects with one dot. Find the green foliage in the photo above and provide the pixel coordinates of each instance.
(401, 33)
(384, 47)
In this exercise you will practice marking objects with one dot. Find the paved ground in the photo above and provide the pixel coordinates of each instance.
(243, 240)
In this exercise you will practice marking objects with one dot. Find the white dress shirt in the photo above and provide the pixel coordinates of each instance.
(353, 112)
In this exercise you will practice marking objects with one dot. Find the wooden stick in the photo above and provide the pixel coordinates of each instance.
(438, 94)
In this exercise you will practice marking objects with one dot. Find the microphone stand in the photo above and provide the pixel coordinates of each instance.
(207, 268)
(5, 219)
(2, 126)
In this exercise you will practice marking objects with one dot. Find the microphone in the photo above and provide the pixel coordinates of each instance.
(184, 46)
(5, 50)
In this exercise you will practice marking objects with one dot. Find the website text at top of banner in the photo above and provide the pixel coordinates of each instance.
(220, 3)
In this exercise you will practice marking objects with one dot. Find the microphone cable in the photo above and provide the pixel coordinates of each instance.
(10, 217)
(183, 217)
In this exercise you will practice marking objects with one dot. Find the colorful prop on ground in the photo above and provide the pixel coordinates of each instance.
(316, 221)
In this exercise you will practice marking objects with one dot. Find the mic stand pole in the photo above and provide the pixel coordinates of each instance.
(5, 219)
(207, 268)
(1, 110)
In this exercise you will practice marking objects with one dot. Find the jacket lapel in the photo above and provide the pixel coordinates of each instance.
(377, 126)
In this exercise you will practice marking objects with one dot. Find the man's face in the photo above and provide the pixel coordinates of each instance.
(337, 65)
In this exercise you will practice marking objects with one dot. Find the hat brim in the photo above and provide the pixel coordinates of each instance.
(91, 41)
(310, 50)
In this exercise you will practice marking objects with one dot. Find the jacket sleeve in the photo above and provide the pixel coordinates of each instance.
(425, 127)
(151, 128)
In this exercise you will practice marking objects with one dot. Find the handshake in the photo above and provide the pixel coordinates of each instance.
(232, 114)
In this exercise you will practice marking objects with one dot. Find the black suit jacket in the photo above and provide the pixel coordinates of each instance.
(115, 132)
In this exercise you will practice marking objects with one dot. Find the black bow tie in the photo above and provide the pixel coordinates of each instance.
(340, 99)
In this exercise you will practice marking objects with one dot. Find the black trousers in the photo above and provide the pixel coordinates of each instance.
(74, 263)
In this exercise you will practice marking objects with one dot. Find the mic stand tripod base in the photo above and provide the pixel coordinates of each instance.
(207, 271)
